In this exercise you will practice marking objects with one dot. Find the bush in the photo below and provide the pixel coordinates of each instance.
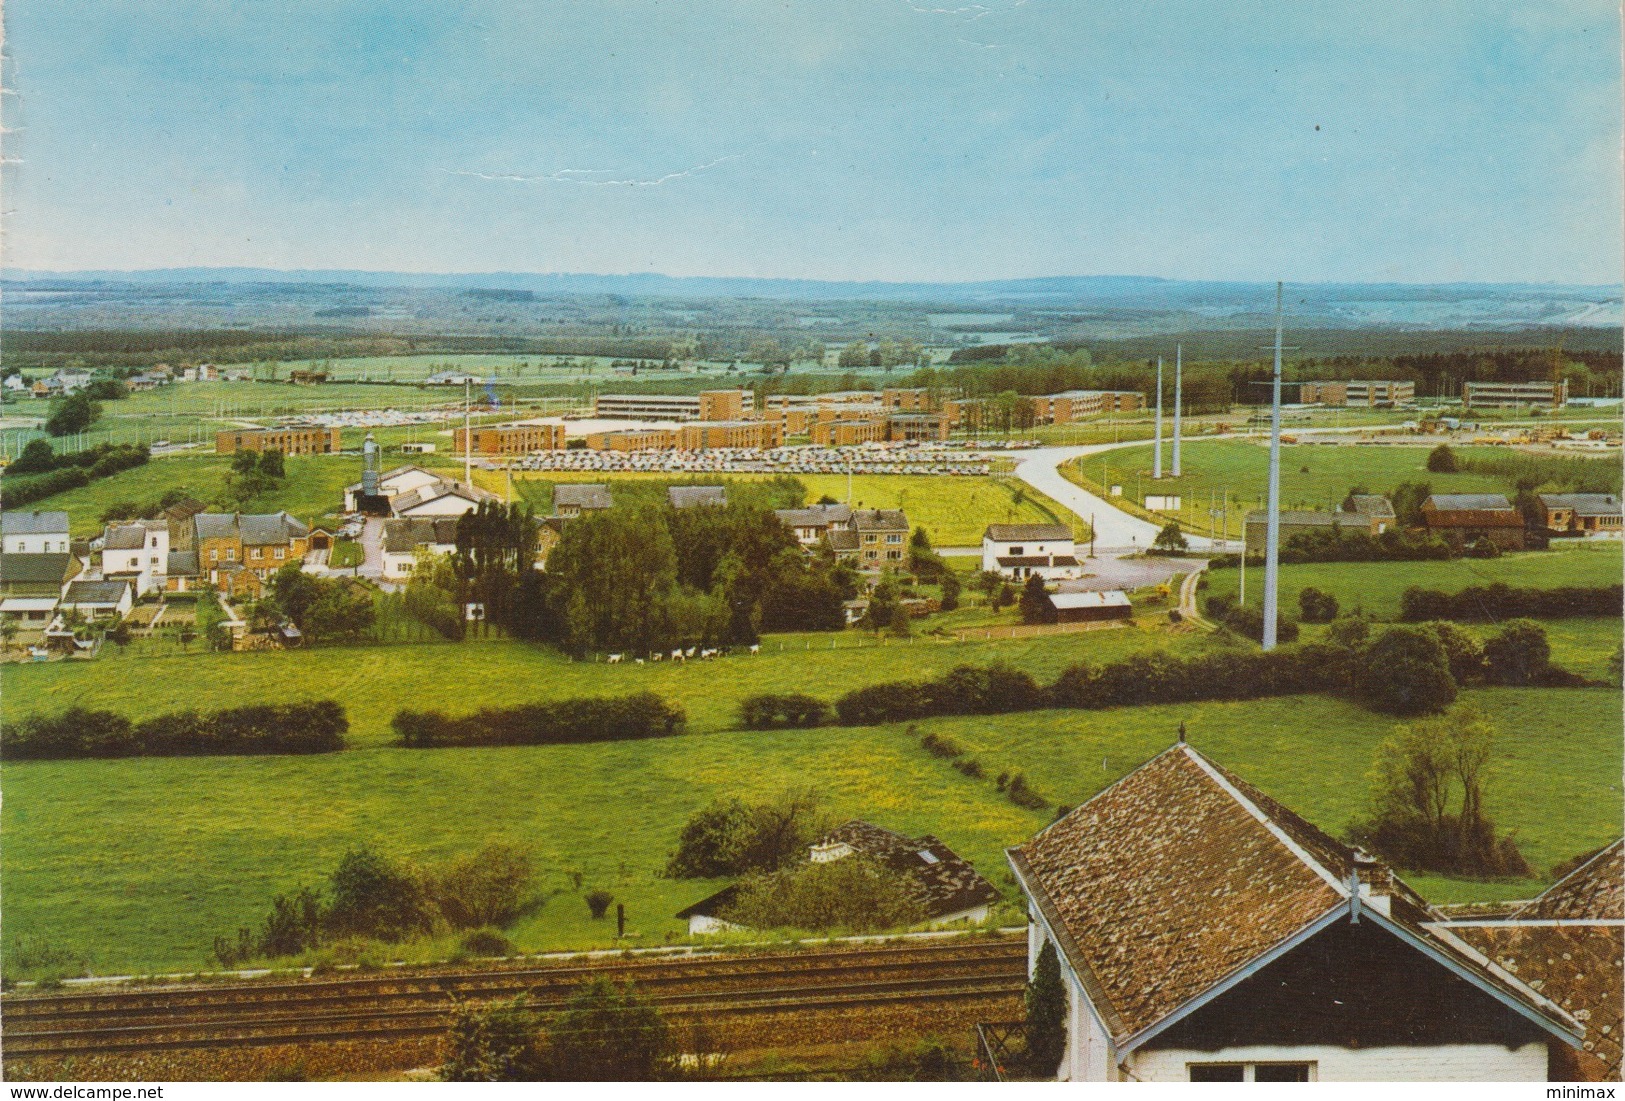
(315, 727)
(598, 903)
(374, 896)
(560, 722)
(490, 887)
(607, 1033)
(730, 837)
(1045, 1002)
(940, 745)
(494, 1043)
(929, 1060)
(1442, 460)
(1016, 790)
(793, 709)
(970, 766)
(487, 942)
(1405, 671)
(855, 892)
(881, 703)
(1249, 623)
(1316, 606)
(1519, 655)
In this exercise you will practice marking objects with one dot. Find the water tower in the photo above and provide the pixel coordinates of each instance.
(369, 467)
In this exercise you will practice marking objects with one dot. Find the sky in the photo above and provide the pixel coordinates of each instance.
(915, 140)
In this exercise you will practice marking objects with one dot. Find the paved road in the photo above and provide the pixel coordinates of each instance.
(1115, 530)
(372, 548)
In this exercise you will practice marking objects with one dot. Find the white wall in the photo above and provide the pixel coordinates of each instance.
(1455, 1063)
(48, 543)
(449, 505)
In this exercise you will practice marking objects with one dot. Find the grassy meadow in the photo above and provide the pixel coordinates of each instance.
(1313, 476)
(138, 864)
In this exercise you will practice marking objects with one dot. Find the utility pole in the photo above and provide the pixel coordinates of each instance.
(1272, 545)
(468, 433)
(1156, 462)
(1179, 398)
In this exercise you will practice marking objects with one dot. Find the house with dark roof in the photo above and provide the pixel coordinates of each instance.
(1464, 518)
(240, 551)
(1031, 550)
(1582, 515)
(696, 496)
(1206, 933)
(814, 522)
(948, 888)
(1375, 507)
(405, 537)
(1309, 521)
(137, 552)
(570, 501)
(31, 585)
(99, 599)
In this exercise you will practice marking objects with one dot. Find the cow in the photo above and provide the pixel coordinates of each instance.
(615, 659)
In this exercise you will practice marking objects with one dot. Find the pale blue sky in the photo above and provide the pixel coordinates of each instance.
(864, 139)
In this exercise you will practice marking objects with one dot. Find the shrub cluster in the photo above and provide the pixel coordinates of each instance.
(1492, 603)
(964, 690)
(1344, 545)
(560, 722)
(316, 727)
(794, 709)
(57, 473)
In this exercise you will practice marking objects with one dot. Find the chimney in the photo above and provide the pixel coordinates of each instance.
(1374, 881)
(826, 851)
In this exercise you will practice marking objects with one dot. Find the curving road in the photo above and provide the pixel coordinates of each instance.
(1115, 530)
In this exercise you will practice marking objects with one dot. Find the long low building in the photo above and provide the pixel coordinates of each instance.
(707, 435)
(1367, 392)
(1588, 515)
(289, 441)
(1499, 394)
(511, 439)
(707, 405)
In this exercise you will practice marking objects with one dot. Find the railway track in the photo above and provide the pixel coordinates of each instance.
(415, 1004)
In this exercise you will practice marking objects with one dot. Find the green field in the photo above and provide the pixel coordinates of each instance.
(509, 673)
(138, 864)
(1313, 476)
(1377, 586)
(953, 511)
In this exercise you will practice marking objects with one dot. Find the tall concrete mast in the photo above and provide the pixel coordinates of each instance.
(1156, 462)
(1272, 544)
(1179, 398)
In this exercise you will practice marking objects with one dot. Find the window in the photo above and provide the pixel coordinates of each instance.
(1250, 1072)
(1017, 552)
(894, 538)
(214, 555)
(281, 552)
(231, 554)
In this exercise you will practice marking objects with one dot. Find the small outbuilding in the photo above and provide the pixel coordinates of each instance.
(1091, 607)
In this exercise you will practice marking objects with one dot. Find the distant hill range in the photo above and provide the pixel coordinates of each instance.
(1051, 307)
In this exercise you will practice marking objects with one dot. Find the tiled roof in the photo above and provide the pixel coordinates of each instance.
(582, 496)
(33, 523)
(814, 515)
(879, 519)
(1470, 502)
(125, 537)
(1579, 967)
(1308, 519)
(405, 535)
(690, 496)
(96, 592)
(182, 564)
(35, 568)
(1584, 504)
(842, 539)
(947, 883)
(434, 491)
(1174, 878)
(943, 882)
(1593, 891)
(1021, 533)
(1372, 504)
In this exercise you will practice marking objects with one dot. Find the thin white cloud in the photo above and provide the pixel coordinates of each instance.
(591, 176)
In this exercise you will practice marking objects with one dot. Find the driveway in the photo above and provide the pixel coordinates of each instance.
(372, 549)
(1115, 530)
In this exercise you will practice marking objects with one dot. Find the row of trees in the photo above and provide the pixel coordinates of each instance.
(315, 727)
(39, 472)
(559, 722)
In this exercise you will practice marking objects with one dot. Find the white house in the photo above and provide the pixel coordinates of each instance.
(137, 552)
(1025, 550)
(1206, 933)
(392, 484)
(99, 599)
(440, 498)
(403, 538)
(453, 378)
(34, 532)
(948, 887)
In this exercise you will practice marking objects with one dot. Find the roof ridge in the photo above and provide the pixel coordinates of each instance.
(1219, 777)
(1101, 793)
(1596, 858)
